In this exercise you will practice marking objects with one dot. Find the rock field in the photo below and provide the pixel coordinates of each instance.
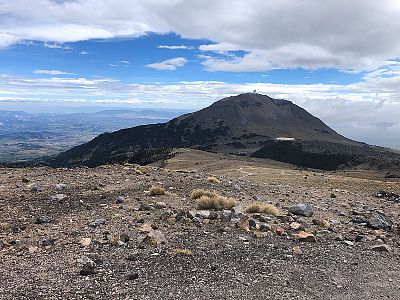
(134, 232)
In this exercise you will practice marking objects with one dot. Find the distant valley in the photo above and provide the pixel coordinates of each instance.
(25, 136)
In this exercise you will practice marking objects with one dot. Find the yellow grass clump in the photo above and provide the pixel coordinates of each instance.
(197, 193)
(157, 190)
(213, 180)
(217, 202)
(265, 208)
(186, 252)
(211, 200)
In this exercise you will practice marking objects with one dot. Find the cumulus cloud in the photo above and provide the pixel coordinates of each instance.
(7, 39)
(351, 35)
(169, 64)
(57, 46)
(52, 72)
(173, 47)
(252, 62)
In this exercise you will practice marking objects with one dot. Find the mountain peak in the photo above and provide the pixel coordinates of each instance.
(238, 124)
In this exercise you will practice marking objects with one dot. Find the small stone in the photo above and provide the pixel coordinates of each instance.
(42, 220)
(87, 269)
(160, 205)
(145, 207)
(32, 249)
(256, 216)
(360, 238)
(203, 214)
(301, 210)
(280, 231)
(123, 237)
(132, 276)
(381, 248)
(243, 223)
(297, 250)
(33, 187)
(238, 209)
(213, 215)
(359, 220)
(46, 242)
(333, 195)
(253, 223)
(25, 180)
(4, 226)
(154, 238)
(246, 237)
(265, 227)
(295, 225)
(100, 221)
(226, 216)
(132, 257)
(325, 224)
(145, 228)
(58, 197)
(306, 237)
(197, 220)
(166, 215)
(84, 242)
(120, 200)
(349, 243)
(322, 223)
(379, 220)
(191, 214)
(60, 186)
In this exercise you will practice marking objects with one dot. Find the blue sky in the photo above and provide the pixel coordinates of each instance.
(339, 60)
(127, 60)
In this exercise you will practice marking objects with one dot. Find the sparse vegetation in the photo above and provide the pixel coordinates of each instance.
(197, 193)
(216, 202)
(213, 180)
(186, 252)
(265, 208)
(157, 191)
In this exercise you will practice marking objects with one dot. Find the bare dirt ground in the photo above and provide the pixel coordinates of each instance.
(64, 236)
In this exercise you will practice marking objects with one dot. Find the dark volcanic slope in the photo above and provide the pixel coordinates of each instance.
(262, 115)
(238, 124)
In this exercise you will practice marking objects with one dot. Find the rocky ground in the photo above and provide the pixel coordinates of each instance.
(99, 233)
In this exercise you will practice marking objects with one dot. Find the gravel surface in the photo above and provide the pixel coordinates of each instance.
(89, 244)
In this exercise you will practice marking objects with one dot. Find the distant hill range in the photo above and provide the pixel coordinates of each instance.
(247, 124)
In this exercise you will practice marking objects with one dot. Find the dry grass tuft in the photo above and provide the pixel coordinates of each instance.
(216, 202)
(211, 200)
(198, 193)
(186, 252)
(213, 180)
(157, 191)
(265, 208)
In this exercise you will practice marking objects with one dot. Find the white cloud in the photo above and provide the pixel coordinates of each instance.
(349, 35)
(83, 53)
(57, 46)
(7, 39)
(52, 72)
(169, 64)
(125, 62)
(252, 62)
(172, 47)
